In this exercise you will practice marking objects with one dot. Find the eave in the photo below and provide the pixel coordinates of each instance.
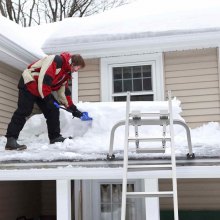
(15, 55)
(145, 43)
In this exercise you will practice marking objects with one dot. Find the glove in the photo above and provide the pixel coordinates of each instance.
(75, 112)
(49, 101)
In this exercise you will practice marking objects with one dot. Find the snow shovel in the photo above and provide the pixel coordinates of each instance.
(84, 117)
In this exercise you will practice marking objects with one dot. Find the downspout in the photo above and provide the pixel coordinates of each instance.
(218, 70)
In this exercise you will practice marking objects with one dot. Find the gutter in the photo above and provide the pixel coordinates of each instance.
(14, 55)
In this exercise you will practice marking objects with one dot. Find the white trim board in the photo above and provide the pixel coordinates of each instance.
(72, 173)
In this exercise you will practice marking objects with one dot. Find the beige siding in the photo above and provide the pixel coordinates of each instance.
(89, 81)
(8, 94)
(9, 78)
(193, 194)
(20, 198)
(193, 78)
(27, 198)
(48, 198)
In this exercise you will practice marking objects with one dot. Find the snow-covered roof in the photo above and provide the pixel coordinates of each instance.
(17, 48)
(143, 26)
(152, 26)
(91, 139)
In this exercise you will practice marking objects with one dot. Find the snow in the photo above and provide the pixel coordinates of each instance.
(143, 16)
(153, 18)
(16, 34)
(91, 138)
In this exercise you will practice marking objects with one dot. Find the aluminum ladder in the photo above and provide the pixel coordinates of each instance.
(136, 168)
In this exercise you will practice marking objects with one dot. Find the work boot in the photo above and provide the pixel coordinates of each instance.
(13, 145)
(58, 139)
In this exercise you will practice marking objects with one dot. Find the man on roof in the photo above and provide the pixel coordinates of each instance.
(36, 85)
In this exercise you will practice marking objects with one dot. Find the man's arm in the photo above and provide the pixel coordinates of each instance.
(47, 73)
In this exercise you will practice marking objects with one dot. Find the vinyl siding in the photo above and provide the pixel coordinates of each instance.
(48, 198)
(193, 194)
(89, 82)
(20, 198)
(9, 78)
(193, 78)
(8, 94)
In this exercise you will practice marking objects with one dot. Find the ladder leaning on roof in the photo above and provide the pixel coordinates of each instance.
(129, 168)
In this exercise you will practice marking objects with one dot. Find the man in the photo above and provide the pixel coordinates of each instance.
(51, 73)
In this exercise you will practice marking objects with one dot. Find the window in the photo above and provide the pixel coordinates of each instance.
(142, 75)
(134, 79)
(102, 200)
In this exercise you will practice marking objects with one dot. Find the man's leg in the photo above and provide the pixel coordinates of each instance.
(24, 109)
(52, 118)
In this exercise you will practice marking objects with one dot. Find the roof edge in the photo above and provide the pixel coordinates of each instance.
(153, 44)
(15, 55)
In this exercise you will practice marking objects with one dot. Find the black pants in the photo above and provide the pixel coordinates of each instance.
(25, 106)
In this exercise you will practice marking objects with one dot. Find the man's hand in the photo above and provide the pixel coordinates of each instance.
(75, 111)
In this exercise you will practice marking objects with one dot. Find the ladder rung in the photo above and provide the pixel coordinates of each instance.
(150, 150)
(149, 194)
(133, 168)
(146, 139)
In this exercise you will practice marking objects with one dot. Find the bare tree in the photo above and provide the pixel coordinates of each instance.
(32, 12)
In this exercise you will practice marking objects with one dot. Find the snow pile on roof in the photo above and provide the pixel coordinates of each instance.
(91, 139)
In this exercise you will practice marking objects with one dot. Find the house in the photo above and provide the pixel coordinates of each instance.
(166, 48)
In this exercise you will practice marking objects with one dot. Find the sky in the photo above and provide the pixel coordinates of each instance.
(91, 138)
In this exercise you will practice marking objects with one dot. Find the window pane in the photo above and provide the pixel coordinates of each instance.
(106, 212)
(117, 73)
(137, 84)
(120, 98)
(147, 85)
(142, 98)
(127, 85)
(116, 192)
(127, 72)
(116, 212)
(130, 211)
(105, 193)
(118, 86)
(134, 98)
(137, 72)
(147, 71)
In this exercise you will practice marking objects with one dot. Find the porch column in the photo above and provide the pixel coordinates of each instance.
(152, 204)
(63, 192)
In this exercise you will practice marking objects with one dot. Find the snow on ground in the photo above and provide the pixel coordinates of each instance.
(91, 139)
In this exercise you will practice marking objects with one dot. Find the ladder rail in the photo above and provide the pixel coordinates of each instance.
(173, 159)
(124, 184)
(129, 168)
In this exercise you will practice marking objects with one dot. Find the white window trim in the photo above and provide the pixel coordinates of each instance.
(75, 88)
(91, 198)
(156, 60)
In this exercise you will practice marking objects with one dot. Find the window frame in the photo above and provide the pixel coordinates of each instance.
(155, 60)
